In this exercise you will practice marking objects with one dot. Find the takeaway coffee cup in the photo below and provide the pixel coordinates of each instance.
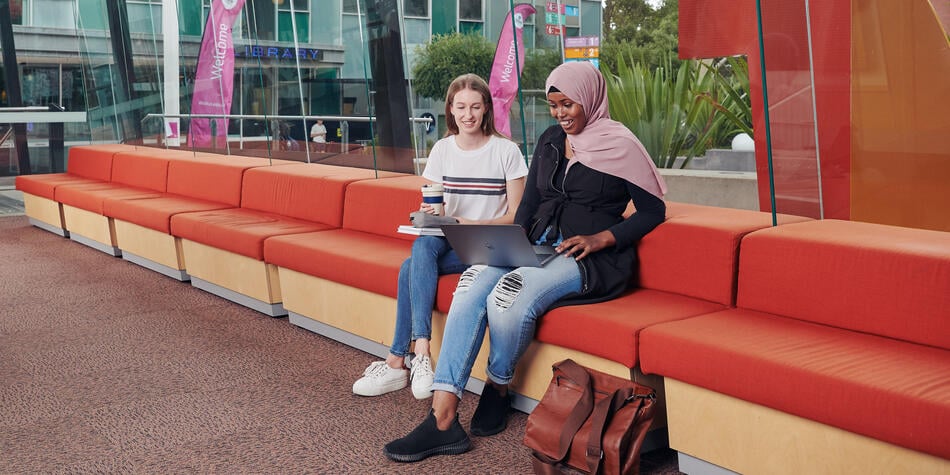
(432, 195)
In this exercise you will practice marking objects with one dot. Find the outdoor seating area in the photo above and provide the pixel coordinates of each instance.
(731, 319)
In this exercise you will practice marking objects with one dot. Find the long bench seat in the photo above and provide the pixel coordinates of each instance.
(195, 182)
(323, 274)
(85, 165)
(840, 336)
(224, 248)
(811, 346)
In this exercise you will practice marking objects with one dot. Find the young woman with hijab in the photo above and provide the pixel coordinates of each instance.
(483, 176)
(584, 172)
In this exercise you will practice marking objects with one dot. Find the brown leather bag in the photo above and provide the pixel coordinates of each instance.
(590, 421)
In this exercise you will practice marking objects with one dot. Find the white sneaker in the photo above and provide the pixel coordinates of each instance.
(379, 378)
(421, 375)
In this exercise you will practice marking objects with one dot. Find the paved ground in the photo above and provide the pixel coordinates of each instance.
(11, 200)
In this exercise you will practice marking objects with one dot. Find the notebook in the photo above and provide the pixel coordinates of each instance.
(503, 245)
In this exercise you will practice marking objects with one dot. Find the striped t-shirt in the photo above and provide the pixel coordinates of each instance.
(474, 180)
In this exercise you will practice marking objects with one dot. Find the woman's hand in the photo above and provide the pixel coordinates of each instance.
(427, 208)
(581, 246)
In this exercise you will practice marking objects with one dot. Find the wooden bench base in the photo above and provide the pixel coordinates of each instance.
(748, 438)
(366, 321)
(92, 229)
(151, 249)
(240, 279)
(45, 214)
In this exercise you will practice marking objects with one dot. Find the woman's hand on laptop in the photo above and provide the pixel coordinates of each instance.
(581, 246)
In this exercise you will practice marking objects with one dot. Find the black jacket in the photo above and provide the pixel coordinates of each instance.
(584, 202)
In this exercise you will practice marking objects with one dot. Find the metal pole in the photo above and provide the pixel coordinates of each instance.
(765, 108)
(57, 136)
(12, 76)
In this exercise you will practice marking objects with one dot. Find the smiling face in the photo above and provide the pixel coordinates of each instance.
(468, 109)
(569, 114)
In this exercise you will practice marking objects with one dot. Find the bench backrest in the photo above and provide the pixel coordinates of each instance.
(94, 161)
(695, 252)
(141, 169)
(212, 178)
(380, 206)
(884, 280)
(306, 191)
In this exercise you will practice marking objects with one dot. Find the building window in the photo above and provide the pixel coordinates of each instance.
(351, 6)
(471, 11)
(415, 8)
(271, 20)
(16, 12)
(47, 13)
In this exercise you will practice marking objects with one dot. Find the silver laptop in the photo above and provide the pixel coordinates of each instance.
(503, 245)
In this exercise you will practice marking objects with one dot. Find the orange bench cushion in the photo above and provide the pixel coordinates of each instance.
(611, 329)
(155, 213)
(380, 206)
(695, 252)
(90, 196)
(85, 164)
(45, 185)
(238, 230)
(884, 388)
(884, 280)
(362, 260)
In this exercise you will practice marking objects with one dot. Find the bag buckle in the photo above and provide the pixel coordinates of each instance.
(599, 456)
(632, 397)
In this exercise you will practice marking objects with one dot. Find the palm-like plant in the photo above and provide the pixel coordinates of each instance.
(679, 113)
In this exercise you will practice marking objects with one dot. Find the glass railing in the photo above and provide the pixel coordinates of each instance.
(855, 98)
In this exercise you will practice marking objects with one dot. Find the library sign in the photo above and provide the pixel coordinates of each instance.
(278, 53)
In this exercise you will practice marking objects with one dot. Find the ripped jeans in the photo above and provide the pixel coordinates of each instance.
(508, 302)
(418, 283)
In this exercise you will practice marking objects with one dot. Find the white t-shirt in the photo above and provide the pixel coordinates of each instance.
(474, 181)
(321, 133)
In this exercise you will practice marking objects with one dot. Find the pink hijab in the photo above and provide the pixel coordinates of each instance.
(605, 144)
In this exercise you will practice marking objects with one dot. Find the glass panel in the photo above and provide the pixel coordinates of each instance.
(467, 27)
(144, 18)
(16, 12)
(900, 161)
(298, 5)
(190, 17)
(285, 27)
(51, 13)
(417, 8)
(591, 19)
(416, 31)
(260, 20)
(40, 85)
(92, 15)
(470, 10)
(794, 175)
(443, 17)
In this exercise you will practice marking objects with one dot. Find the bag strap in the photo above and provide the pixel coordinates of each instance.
(582, 408)
(603, 412)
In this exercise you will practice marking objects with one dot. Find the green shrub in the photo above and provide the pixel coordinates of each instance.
(679, 111)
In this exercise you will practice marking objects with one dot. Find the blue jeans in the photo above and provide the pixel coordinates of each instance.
(417, 286)
(507, 301)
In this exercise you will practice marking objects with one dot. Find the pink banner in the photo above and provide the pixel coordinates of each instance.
(503, 82)
(214, 75)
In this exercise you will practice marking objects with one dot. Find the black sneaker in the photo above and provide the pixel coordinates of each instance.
(491, 415)
(427, 440)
